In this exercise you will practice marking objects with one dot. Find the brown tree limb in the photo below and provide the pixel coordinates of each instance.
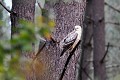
(102, 60)
(112, 7)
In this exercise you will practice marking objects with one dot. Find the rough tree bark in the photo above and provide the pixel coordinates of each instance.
(67, 15)
(23, 10)
(86, 56)
(98, 40)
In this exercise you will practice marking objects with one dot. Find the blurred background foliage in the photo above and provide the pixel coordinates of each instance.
(28, 33)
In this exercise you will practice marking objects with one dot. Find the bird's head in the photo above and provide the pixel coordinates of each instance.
(77, 27)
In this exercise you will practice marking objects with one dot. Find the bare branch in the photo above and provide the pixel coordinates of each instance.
(102, 60)
(7, 8)
(112, 7)
(39, 5)
(40, 49)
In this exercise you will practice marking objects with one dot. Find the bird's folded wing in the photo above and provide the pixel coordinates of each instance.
(69, 40)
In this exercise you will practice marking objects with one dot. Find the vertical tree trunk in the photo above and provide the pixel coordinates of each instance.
(25, 10)
(99, 39)
(86, 56)
(67, 15)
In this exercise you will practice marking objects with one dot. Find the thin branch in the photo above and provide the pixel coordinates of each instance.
(68, 60)
(112, 7)
(7, 8)
(54, 41)
(39, 51)
(102, 60)
(39, 5)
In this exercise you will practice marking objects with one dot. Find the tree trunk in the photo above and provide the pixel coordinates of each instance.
(67, 15)
(86, 56)
(23, 10)
(99, 39)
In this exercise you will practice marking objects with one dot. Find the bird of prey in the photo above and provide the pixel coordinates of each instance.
(71, 40)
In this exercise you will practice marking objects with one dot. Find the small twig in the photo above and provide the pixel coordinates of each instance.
(39, 51)
(7, 8)
(39, 5)
(53, 40)
(102, 60)
(112, 7)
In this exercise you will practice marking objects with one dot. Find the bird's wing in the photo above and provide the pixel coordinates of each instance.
(68, 41)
